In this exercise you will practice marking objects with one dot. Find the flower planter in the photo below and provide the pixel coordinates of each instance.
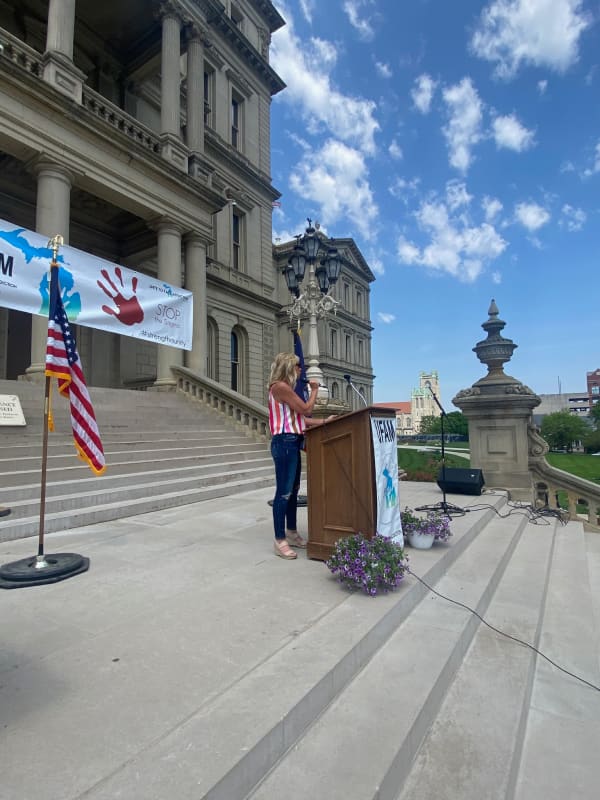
(420, 541)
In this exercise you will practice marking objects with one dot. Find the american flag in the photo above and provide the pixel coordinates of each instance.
(62, 362)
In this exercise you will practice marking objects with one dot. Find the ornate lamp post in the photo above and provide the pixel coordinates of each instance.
(315, 301)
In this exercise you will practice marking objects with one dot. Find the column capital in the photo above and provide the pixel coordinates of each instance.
(44, 164)
(170, 8)
(165, 225)
(194, 31)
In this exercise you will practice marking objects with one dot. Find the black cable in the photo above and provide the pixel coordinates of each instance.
(537, 516)
(502, 633)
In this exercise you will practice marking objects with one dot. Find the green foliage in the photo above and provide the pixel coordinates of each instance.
(454, 422)
(595, 414)
(424, 466)
(562, 428)
(591, 443)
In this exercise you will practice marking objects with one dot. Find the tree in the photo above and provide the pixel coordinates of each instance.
(595, 414)
(591, 443)
(562, 428)
(454, 422)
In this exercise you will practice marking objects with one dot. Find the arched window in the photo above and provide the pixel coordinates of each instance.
(212, 349)
(335, 390)
(235, 362)
(349, 397)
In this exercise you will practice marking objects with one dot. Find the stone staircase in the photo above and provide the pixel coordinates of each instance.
(162, 450)
(409, 696)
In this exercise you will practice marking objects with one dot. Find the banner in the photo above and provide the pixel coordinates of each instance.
(95, 293)
(385, 451)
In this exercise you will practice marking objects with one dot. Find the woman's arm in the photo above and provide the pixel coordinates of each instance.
(283, 393)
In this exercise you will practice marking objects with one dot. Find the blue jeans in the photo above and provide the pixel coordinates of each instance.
(285, 449)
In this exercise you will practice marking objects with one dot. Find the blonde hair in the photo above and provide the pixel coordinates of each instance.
(283, 369)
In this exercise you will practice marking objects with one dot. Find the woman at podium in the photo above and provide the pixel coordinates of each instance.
(287, 422)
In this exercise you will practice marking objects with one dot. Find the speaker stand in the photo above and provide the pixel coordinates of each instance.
(444, 507)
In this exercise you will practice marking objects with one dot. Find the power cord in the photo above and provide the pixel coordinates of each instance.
(537, 516)
(502, 633)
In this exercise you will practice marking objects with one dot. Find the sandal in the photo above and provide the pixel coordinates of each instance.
(283, 550)
(294, 538)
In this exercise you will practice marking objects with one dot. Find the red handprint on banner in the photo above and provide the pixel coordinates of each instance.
(129, 311)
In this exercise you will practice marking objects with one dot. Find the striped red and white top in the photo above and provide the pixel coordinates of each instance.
(283, 419)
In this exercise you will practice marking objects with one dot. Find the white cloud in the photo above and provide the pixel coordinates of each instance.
(400, 187)
(456, 246)
(395, 150)
(463, 130)
(305, 67)
(543, 33)
(307, 7)
(510, 134)
(336, 179)
(573, 219)
(491, 207)
(457, 195)
(376, 265)
(531, 216)
(386, 318)
(361, 24)
(423, 92)
(383, 70)
(542, 86)
(496, 277)
(596, 165)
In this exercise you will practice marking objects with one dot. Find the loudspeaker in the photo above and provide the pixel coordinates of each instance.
(460, 481)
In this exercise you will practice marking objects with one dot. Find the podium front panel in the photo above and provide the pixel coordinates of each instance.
(341, 481)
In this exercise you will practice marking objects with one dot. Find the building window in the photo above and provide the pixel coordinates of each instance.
(209, 95)
(235, 361)
(359, 311)
(361, 353)
(237, 241)
(237, 106)
(348, 348)
(212, 367)
(333, 343)
(347, 297)
(335, 391)
(595, 389)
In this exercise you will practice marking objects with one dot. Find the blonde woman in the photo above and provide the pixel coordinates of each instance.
(287, 421)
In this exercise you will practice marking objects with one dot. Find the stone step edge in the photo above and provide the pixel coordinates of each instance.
(165, 475)
(60, 521)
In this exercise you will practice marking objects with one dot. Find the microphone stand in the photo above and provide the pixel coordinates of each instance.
(355, 390)
(443, 506)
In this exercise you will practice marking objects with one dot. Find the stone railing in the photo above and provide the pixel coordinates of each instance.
(120, 120)
(249, 416)
(21, 54)
(549, 481)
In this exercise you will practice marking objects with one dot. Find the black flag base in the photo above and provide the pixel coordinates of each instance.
(36, 570)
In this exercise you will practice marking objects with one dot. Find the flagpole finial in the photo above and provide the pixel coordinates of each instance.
(54, 244)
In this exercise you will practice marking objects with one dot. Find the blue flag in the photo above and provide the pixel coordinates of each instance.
(302, 385)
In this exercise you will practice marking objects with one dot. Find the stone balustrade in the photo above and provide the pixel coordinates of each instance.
(119, 119)
(244, 413)
(21, 54)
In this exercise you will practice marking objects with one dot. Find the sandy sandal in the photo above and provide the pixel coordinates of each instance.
(283, 550)
(294, 539)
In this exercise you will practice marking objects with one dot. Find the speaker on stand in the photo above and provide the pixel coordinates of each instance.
(460, 481)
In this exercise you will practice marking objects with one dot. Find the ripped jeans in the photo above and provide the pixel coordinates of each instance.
(285, 449)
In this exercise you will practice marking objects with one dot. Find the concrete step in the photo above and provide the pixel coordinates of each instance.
(233, 741)
(105, 510)
(473, 747)
(563, 724)
(373, 730)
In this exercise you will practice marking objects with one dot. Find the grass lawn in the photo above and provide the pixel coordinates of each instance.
(425, 466)
(580, 464)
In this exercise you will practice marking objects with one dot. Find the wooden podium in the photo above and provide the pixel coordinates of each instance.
(342, 498)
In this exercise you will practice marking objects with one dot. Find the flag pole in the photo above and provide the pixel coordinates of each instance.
(40, 562)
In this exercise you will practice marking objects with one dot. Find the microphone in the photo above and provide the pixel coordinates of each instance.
(306, 381)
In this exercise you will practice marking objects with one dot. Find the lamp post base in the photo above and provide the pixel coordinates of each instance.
(37, 570)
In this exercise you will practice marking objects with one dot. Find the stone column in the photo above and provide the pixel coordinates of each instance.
(195, 281)
(172, 148)
(53, 210)
(195, 90)
(59, 69)
(169, 271)
(498, 408)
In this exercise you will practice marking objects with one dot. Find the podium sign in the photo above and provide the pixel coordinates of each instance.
(11, 413)
(341, 479)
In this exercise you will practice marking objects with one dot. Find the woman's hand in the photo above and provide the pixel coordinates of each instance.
(314, 386)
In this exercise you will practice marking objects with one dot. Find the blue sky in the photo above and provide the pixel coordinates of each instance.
(458, 143)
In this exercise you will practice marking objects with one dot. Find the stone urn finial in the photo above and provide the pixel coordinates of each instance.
(495, 350)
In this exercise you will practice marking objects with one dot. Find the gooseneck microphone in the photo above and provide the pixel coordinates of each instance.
(348, 378)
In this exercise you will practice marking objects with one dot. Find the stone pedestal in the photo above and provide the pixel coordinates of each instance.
(498, 409)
